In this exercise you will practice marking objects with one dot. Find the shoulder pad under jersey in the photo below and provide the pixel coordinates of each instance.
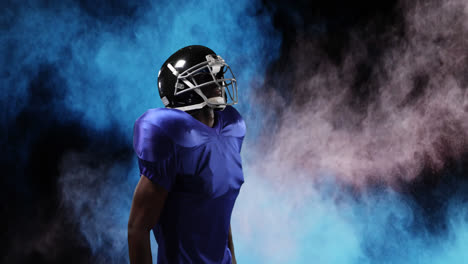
(158, 130)
(233, 123)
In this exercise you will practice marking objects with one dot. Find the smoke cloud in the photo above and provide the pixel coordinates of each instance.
(377, 118)
(98, 194)
(364, 153)
(356, 148)
(76, 75)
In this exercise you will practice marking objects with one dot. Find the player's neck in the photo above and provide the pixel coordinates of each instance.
(205, 115)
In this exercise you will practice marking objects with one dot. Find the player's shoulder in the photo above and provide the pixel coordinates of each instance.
(234, 124)
(163, 122)
(163, 117)
(232, 114)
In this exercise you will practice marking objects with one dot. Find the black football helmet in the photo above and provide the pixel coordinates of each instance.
(195, 77)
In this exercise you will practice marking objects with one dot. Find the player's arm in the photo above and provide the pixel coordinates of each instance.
(148, 202)
(231, 246)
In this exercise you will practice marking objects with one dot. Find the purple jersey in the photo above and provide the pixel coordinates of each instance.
(201, 168)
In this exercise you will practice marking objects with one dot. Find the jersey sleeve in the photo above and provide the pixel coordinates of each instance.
(155, 152)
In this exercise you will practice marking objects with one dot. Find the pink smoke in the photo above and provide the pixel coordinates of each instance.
(402, 130)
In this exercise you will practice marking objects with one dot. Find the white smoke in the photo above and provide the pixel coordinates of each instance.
(417, 114)
(97, 194)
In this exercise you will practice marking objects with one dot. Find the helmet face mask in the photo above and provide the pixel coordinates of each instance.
(208, 81)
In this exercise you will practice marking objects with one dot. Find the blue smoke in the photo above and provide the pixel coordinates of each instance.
(106, 67)
(326, 223)
(103, 66)
(110, 67)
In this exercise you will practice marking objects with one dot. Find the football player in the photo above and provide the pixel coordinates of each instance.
(190, 163)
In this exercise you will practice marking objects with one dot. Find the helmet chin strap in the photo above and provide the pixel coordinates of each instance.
(217, 102)
(201, 105)
(191, 107)
(213, 102)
